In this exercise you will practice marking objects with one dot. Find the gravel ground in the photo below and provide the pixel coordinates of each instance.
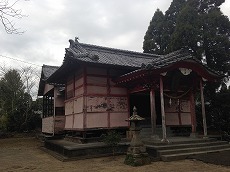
(24, 155)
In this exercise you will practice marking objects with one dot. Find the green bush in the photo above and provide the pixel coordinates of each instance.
(112, 138)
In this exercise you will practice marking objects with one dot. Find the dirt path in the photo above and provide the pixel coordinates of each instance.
(23, 154)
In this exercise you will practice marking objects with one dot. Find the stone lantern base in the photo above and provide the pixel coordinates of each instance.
(136, 154)
(137, 159)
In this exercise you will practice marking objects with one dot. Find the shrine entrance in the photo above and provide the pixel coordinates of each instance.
(141, 101)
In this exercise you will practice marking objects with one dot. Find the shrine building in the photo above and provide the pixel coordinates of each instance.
(96, 88)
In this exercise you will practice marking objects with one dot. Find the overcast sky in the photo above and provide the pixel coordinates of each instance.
(51, 23)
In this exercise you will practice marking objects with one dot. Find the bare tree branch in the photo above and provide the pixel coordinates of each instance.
(7, 14)
(30, 78)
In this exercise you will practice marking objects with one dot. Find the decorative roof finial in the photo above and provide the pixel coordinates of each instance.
(76, 39)
(71, 43)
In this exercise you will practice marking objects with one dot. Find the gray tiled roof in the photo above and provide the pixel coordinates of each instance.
(48, 71)
(170, 59)
(134, 61)
(105, 55)
(174, 57)
(165, 60)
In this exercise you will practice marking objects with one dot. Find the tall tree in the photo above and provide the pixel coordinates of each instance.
(161, 28)
(11, 92)
(17, 110)
(200, 26)
(153, 40)
(170, 22)
(187, 30)
(11, 89)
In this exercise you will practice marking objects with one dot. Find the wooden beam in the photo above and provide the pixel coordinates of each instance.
(203, 108)
(84, 97)
(164, 137)
(108, 99)
(193, 114)
(153, 114)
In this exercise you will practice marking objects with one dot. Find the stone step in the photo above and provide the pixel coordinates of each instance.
(181, 156)
(188, 144)
(181, 147)
(193, 149)
(176, 141)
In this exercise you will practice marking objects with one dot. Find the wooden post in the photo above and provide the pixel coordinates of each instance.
(203, 108)
(164, 139)
(84, 97)
(54, 108)
(153, 114)
(193, 114)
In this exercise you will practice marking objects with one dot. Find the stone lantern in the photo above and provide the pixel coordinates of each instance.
(136, 154)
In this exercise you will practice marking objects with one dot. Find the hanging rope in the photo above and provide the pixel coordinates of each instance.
(177, 97)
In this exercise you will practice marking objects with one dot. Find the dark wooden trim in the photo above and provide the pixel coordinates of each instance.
(203, 108)
(164, 136)
(108, 94)
(179, 113)
(192, 109)
(153, 112)
(98, 75)
(84, 97)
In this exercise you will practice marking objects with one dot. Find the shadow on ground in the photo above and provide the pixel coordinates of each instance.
(218, 158)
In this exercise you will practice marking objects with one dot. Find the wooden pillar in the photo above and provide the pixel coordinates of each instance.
(84, 97)
(203, 108)
(108, 95)
(164, 139)
(153, 114)
(193, 114)
(54, 108)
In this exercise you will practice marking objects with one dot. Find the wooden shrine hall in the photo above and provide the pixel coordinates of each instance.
(175, 79)
(103, 84)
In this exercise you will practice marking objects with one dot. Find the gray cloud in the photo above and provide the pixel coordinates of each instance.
(50, 24)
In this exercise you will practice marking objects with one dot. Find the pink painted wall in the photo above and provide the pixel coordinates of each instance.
(69, 122)
(48, 125)
(96, 103)
(118, 120)
(95, 120)
(78, 105)
(78, 121)
(69, 107)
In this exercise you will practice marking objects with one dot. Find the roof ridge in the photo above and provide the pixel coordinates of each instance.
(44, 65)
(120, 51)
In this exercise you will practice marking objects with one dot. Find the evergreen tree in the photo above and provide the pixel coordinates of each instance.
(170, 22)
(198, 25)
(11, 90)
(16, 105)
(161, 28)
(187, 30)
(153, 40)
